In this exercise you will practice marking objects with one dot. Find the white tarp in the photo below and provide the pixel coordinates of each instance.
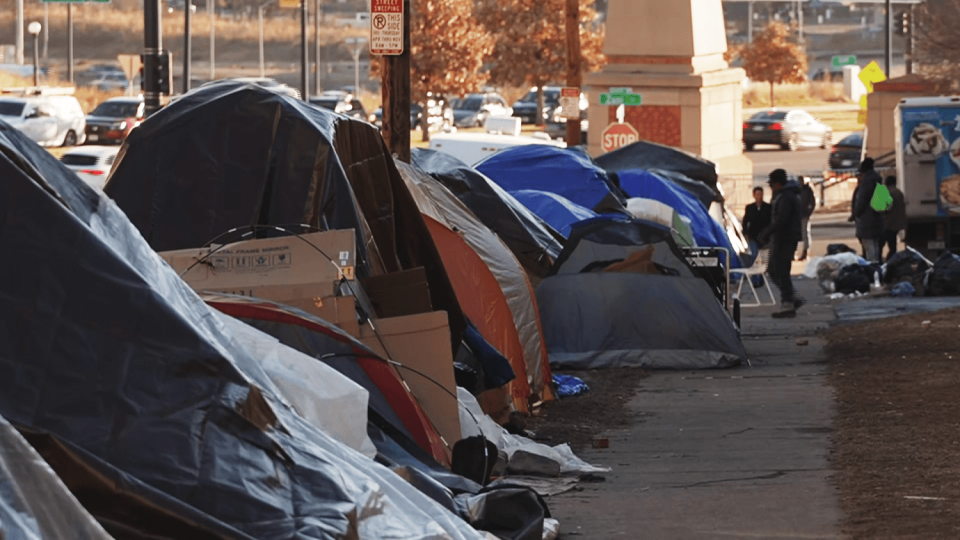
(471, 415)
(322, 396)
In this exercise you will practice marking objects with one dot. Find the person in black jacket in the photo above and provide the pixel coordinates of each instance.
(869, 221)
(756, 217)
(808, 203)
(783, 234)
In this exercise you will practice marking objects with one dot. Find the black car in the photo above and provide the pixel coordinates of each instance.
(526, 108)
(846, 153)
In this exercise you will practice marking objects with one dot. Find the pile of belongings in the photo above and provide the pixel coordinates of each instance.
(906, 273)
(267, 327)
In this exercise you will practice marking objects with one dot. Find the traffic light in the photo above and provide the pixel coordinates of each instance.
(905, 23)
(163, 72)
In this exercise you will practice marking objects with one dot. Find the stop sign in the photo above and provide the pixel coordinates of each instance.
(617, 135)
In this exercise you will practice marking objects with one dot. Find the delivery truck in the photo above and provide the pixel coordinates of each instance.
(928, 171)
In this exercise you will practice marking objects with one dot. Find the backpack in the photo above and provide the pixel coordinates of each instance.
(881, 200)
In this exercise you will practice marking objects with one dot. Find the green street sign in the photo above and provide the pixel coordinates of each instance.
(844, 60)
(618, 98)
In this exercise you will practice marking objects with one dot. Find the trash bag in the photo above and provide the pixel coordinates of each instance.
(855, 278)
(568, 385)
(829, 267)
(833, 249)
(904, 288)
(945, 276)
(907, 264)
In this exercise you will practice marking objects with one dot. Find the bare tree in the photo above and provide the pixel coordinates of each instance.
(936, 31)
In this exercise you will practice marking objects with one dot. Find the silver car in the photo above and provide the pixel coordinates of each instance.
(790, 130)
(55, 120)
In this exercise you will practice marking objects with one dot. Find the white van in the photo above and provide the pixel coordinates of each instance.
(50, 120)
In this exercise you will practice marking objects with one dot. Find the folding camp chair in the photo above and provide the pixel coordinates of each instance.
(746, 275)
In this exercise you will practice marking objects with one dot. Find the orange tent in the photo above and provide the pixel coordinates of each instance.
(491, 286)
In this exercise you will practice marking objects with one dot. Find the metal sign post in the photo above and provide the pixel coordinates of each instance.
(390, 37)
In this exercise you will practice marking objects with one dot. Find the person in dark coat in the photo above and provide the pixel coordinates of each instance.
(808, 203)
(756, 218)
(895, 219)
(869, 221)
(783, 235)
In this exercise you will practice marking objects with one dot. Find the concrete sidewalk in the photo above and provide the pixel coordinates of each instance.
(739, 453)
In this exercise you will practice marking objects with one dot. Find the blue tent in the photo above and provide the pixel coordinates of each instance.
(555, 170)
(559, 212)
(706, 231)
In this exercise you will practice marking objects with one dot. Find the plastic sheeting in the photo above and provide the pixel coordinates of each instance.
(653, 314)
(472, 254)
(109, 356)
(474, 422)
(555, 170)
(34, 503)
(535, 244)
(569, 386)
(662, 214)
(320, 394)
(706, 231)
(233, 154)
(559, 212)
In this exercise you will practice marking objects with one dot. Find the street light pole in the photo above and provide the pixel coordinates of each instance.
(358, 44)
(187, 44)
(19, 33)
(70, 42)
(888, 41)
(211, 8)
(34, 30)
(316, 44)
(260, 18)
(304, 60)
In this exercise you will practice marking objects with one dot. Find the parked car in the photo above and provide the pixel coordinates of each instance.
(111, 81)
(91, 163)
(475, 108)
(440, 115)
(526, 107)
(112, 120)
(846, 153)
(340, 102)
(50, 120)
(789, 129)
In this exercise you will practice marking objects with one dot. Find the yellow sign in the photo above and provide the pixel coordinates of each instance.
(871, 75)
(289, 3)
(862, 117)
(863, 102)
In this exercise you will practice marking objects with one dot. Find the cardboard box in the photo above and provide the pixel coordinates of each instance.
(399, 293)
(334, 309)
(422, 342)
(284, 268)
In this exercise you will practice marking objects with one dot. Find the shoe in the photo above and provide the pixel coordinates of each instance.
(799, 303)
(785, 314)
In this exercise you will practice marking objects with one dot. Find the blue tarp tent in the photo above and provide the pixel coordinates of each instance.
(559, 212)
(706, 231)
(555, 170)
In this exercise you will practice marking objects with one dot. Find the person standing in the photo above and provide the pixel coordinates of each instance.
(869, 221)
(756, 218)
(895, 219)
(783, 235)
(808, 203)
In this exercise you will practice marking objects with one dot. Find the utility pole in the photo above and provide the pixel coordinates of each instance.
(304, 14)
(888, 42)
(574, 78)
(395, 83)
(151, 56)
(70, 41)
(19, 33)
(908, 34)
(260, 19)
(316, 44)
(800, 19)
(187, 44)
(750, 21)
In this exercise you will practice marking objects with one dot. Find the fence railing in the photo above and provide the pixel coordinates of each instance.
(831, 187)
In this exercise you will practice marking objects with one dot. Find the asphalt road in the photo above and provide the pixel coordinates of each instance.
(766, 158)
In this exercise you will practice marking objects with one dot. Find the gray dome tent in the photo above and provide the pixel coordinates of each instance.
(622, 294)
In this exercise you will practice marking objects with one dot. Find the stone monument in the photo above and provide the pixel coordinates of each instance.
(671, 54)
